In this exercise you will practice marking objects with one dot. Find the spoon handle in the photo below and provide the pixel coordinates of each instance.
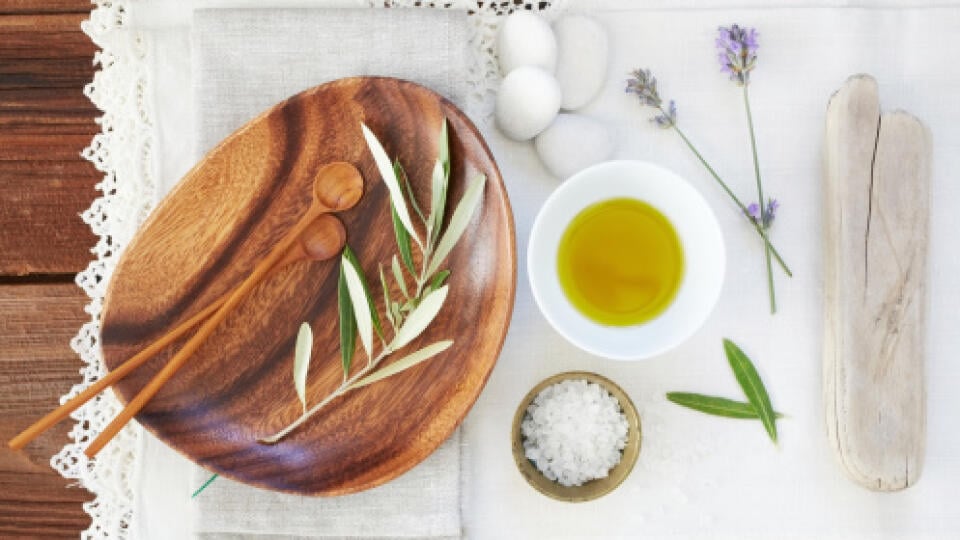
(207, 328)
(135, 361)
(57, 415)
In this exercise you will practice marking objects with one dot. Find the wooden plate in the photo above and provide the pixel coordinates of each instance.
(205, 237)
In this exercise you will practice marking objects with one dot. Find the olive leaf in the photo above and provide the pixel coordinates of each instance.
(390, 179)
(361, 305)
(301, 362)
(404, 363)
(420, 317)
(397, 316)
(458, 222)
(752, 386)
(398, 276)
(758, 405)
(716, 406)
(443, 153)
(403, 240)
(439, 279)
(440, 179)
(408, 191)
(348, 326)
(348, 253)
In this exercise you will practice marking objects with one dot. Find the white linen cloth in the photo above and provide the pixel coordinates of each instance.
(245, 60)
(697, 476)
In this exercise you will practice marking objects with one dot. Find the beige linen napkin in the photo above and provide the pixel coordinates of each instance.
(243, 62)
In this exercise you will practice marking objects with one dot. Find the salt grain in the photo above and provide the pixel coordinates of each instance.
(574, 432)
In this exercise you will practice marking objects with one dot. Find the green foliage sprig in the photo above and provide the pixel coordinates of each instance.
(418, 303)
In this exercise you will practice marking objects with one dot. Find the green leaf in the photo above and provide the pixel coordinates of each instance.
(443, 153)
(397, 316)
(398, 276)
(351, 256)
(439, 182)
(348, 326)
(361, 305)
(403, 241)
(386, 298)
(458, 222)
(716, 406)
(301, 362)
(420, 318)
(439, 279)
(408, 190)
(390, 179)
(438, 197)
(752, 386)
(403, 364)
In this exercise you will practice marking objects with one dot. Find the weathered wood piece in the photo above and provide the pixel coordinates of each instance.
(876, 207)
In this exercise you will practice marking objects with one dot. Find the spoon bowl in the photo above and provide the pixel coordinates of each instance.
(338, 186)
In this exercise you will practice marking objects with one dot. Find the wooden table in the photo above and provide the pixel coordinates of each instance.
(45, 121)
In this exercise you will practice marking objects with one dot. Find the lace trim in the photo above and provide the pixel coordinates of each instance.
(123, 152)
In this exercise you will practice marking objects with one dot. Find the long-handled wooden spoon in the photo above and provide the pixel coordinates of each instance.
(323, 239)
(337, 186)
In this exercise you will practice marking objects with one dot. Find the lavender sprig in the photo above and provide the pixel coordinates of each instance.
(644, 85)
(737, 51)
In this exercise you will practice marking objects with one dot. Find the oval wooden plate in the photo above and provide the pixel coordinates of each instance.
(205, 237)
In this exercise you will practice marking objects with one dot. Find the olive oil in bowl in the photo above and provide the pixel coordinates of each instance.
(620, 262)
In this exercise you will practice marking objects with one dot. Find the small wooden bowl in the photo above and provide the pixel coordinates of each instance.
(593, 489)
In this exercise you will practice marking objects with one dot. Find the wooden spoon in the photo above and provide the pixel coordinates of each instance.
(323, 239)
(337, 187)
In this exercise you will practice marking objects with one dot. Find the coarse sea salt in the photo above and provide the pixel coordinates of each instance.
(574, 431)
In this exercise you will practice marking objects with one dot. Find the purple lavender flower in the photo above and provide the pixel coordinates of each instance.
(644, 85)
(772, 206)
(668, 118)
(769, 213)
(737, 52)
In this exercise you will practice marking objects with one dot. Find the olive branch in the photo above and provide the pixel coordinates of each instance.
(422, 291)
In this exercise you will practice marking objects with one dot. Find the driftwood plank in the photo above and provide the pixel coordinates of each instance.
(876, 223)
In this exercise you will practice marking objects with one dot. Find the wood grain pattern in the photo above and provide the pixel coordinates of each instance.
(877, 201)
(43, 242)
(206, 236)
(36, 367)
(44, 183)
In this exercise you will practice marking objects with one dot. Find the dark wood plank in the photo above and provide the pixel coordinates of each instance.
(45, 73)
(40, 210)
(44, 36)
(36, 367)
(41, 147)
(44, 6)
(45, 60)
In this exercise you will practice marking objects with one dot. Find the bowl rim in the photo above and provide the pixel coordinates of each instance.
(592, 489)
(541, 284)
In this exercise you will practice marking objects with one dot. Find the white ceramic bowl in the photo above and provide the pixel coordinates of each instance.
(703, 251)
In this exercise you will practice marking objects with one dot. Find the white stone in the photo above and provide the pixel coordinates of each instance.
(582, 52)
(572, 143)
(526, 39)
(528, 100)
